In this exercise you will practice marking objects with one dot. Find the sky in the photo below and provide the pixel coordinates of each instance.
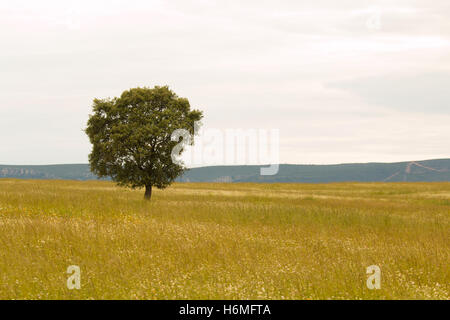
(342, 81)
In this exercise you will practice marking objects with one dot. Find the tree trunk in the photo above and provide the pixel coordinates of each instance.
(148, 192)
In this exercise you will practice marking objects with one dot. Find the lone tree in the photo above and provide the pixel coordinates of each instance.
(131, 137)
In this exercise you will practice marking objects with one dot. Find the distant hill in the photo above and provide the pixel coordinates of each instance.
(426, 171)
(59, 171)
(416, 171)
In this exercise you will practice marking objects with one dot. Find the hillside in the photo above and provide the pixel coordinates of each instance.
(416, 171)
(60, 171)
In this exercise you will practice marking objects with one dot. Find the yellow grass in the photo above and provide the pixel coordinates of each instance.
(224, 241)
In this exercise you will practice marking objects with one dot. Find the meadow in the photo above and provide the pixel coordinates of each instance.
(224, 241)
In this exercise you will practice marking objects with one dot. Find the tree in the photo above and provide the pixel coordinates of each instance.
(131, 137)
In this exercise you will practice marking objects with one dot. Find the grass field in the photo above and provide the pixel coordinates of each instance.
(224, 241)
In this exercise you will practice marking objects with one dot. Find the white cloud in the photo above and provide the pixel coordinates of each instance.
(246, 64)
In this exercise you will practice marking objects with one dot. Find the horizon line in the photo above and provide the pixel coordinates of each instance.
(240, 165)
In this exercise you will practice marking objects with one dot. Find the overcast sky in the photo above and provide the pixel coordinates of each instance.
(344, 81)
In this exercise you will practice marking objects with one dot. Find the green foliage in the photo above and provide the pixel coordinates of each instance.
(131, 136)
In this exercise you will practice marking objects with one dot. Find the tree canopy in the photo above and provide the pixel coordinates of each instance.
(131, 136)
